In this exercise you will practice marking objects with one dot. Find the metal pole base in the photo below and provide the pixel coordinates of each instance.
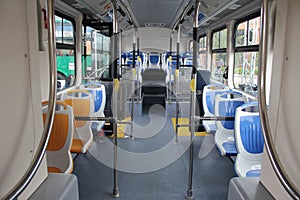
(131, 137)
(115, 193)
(189, 195)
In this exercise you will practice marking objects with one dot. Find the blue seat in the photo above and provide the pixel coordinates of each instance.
(249, 140)
(154, 59)
(208, 99)
(99, 94)
(225, 106)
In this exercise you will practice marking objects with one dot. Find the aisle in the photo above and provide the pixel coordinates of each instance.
(153, 168)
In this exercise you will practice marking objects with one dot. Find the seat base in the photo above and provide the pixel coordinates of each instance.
(241, 188)
(59, 187)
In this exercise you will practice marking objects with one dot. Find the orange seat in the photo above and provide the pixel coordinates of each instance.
(59, 159)
(82, 103)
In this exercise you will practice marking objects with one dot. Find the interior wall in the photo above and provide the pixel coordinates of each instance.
(154, 38)
(21, 115)
(284, 108)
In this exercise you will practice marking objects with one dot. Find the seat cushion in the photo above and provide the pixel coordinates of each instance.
(77, 146)
(230, 148)
(54, 170)
(253, 173)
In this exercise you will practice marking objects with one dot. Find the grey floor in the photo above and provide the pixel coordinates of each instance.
(211, 177)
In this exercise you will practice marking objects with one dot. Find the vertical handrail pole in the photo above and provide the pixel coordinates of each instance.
(140, 62)
(170, 69)
(283, 177)
(189, 194)
(177, 82)
(134, 83)
(34, 165)
(115, 192)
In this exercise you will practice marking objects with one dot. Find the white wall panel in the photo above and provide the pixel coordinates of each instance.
(21, 122)
(284, 100)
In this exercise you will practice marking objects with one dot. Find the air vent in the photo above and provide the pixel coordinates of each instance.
(234, 7)
(155, 24)
(77, 5)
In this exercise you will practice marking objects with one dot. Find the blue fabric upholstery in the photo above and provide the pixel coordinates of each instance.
(210, 100)
(230, 148)
(251, 134)
(154, 59)
(227, 109)
(136, 55)
(253, 173)
(97, 95)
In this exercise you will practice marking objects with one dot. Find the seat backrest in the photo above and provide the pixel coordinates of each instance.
(208, 98)
(82, 103)
(248, 132)
(99, 94)
(154, 58)
(61, 137)
(203, 79)
(225, 106)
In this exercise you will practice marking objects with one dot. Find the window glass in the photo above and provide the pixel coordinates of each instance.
(203, 60)
(191, 46)
(216, 40)
(246, 61)
(58, 29)
(68, 37)
(254, 31)
(241, 35)
(246, 71)
(100, 51)
(65, 56)
(202, 44)
(220, 39)
(65, 61)
(202, 52)
(218, 62)
(218, 66)
(223, 39)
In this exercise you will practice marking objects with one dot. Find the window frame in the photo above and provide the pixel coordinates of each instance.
(218, 50)
(246, 48)
(63, 46)
(203, 36)
(99, 28)
(204, 52)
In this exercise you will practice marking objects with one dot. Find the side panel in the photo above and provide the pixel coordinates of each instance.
(21, 122)
(284, 106)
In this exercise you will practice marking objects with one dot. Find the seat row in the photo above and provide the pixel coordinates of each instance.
(241, 137)
(69, 135)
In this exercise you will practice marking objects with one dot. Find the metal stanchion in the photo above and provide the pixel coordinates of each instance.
(189, 194)
(115, 192)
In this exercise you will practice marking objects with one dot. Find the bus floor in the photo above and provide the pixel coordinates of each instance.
(154, 167)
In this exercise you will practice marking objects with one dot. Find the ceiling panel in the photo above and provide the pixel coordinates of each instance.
(155, 11)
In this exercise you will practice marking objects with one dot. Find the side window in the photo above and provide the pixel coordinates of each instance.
(191, 46)
(203, 51)
(95, 61)
(219, 45)
(246, 56)
(65, 51)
